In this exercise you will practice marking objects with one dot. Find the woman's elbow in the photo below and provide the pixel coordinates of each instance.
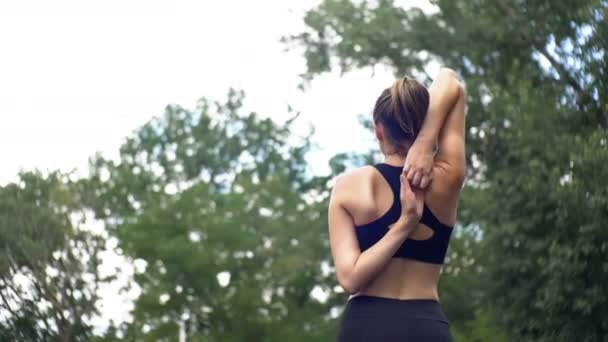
(457, 176)
(447, 71)
(350, 289)
(348, 284)
(450, 77)
(462, 92)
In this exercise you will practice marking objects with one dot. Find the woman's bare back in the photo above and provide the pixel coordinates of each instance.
(371, 197)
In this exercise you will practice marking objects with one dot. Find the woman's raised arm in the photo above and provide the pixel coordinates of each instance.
(444, 124)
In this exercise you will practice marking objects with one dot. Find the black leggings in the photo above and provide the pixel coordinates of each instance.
(370, 319)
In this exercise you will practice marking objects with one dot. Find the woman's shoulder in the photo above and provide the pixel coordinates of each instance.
(353, 177)
(351, 184)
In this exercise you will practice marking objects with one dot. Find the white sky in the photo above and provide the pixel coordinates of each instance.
(78, 76)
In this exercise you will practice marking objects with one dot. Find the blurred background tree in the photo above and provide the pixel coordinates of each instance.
(536, 78)
(230, 227)
(49, 274)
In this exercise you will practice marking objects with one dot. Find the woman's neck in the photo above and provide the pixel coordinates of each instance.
(394, 159)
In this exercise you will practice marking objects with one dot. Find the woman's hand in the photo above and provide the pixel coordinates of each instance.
(412, 203)
(418, 165)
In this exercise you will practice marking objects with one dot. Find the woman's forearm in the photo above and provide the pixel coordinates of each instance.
(373, 260)
(443, 95)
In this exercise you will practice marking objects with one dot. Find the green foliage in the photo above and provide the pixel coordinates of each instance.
(536, 78)
(481, 328)
(48, 265)
(210, 191)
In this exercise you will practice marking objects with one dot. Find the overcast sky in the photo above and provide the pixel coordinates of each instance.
(78, 76)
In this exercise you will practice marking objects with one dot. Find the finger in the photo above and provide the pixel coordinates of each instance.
(405, 185)
(412, 178)
(410, 174)
(406, 168)
(418, 194)
(417, 178)
(424, 182)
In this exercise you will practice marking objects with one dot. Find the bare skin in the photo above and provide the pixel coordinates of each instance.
(363, 195)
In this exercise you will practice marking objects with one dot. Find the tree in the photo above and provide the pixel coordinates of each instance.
(228, 221)
(535, 72)
(49, 273)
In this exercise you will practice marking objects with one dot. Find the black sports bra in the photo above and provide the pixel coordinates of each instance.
(431, 250)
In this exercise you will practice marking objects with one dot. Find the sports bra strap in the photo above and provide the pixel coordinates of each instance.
(431, 220)
(387, 172)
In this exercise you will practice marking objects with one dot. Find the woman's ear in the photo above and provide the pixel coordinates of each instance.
(379, 132)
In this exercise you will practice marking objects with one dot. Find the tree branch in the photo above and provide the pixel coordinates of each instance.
(540, 48)
(7, 305)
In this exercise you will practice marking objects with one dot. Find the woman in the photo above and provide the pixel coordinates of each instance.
(390, 223)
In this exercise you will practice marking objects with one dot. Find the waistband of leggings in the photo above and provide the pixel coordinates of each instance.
(366, 305)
